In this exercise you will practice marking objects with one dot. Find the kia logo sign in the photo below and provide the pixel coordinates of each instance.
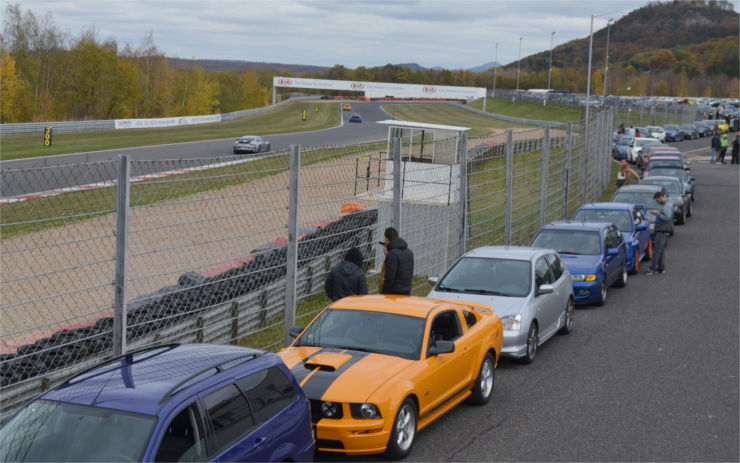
(285, 81)
(357, 85)
(429, 89)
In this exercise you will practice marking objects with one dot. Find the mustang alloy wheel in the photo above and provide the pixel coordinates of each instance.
(533, 340)
(403, 432)
(483, 388)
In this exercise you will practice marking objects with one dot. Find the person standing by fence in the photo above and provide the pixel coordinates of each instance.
(623, 175)
(347, 278)
(716, 146)
(736, 149)
(398, 268)
(663, 224)
(723, 147)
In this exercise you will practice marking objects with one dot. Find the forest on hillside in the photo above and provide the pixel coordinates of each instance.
(663, 49)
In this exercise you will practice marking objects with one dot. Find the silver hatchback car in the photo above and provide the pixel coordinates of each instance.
(529, 288)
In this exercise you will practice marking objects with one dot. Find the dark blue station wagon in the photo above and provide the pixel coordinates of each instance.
(192, 402)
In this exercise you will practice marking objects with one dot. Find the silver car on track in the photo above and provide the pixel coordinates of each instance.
(529, 288)
(251, 144)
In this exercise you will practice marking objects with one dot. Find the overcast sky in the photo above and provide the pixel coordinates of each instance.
(453, 34)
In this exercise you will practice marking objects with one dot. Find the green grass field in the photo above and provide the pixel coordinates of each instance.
(285, 119)
(527, 109)
(449, 115)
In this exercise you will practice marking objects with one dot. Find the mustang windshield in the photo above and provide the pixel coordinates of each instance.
(57, 431)
(381, 332)
(622, 219)
(569, 242)
(487, 275)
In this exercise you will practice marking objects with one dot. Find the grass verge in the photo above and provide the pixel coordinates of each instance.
(446, 114)
(527, 109)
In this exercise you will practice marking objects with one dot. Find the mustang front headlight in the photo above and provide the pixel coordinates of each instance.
(583, 277)
(512, 322)
(366, 411)
(331, 410)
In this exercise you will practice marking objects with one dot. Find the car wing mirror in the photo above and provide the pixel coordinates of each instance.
(545, 289)
(441, 347)
(432, 280)
(642, 226)
(691, 179)
(295, 331)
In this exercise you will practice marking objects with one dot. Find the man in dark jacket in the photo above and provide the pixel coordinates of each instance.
(716, 146)
(347, 278)
(398, 268)
(663, 226)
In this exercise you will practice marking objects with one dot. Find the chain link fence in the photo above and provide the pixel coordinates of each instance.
(239, 252)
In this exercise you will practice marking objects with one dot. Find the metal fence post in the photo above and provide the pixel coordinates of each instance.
(597, 156)
(543, 179)
(397, 193)
(509, 185)
(123, 193)
(568, 149)
(584, 179)
(462, 156)
(292, 246)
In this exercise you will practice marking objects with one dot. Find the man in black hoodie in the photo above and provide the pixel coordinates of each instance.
(398, 268)
(347, 278)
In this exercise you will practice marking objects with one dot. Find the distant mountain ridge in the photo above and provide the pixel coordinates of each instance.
(216, 65)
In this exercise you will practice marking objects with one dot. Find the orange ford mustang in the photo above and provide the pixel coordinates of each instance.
(377, 369)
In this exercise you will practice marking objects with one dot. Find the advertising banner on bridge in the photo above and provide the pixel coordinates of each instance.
(381, 89)
(165, 121)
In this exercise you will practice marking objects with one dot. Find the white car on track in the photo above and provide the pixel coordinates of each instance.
(251, 144)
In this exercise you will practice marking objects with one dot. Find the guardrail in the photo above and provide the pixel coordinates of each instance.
(91, 126)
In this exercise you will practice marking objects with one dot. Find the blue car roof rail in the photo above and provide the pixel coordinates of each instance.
(217, 366)
(128, 356)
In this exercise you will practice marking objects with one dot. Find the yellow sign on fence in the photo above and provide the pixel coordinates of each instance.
(47, 136)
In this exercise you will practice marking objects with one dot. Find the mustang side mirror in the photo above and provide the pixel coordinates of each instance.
(441, 347)
(432, 280)
(642, 226)
(295, 331)
(545, 289)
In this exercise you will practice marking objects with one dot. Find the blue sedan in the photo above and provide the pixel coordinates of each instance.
(630, 219)
(595, 254)
(355, 118)
(622, 146)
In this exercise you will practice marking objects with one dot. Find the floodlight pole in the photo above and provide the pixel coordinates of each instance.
(495, 65)
(549, 73)
(588, 105)
(518, 67)
(606, 62)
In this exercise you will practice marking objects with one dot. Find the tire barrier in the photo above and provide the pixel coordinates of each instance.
(174, 309)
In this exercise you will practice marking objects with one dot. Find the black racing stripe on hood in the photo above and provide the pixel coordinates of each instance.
(300, 371)
(317, 384)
